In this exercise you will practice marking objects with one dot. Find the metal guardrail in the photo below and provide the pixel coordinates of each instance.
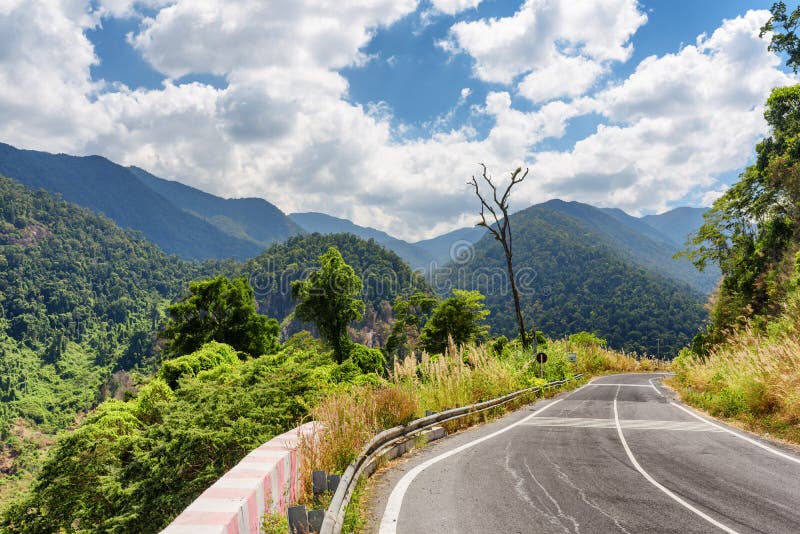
(334, 516)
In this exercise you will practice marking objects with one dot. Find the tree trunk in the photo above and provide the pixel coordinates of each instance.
(518, 308)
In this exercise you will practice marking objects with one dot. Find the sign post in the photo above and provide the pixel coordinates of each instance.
(541, 357)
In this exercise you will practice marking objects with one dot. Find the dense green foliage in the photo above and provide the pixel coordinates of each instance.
(132, 466)
(572, 279)
(460, 318)
(783, 27)
(179, 219)
(753, 230)
(328, 297)
(79, 299)
(208, 356)
(221, 310)
(384, 276)
(411, 312)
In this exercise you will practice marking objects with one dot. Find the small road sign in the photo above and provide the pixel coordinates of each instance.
(541, 357)
(571, 356)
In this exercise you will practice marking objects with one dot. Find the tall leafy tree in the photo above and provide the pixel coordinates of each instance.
(460, 317)
(329, 298)
(783, 28)
(223, 310)
(410, 314)
(752, 229)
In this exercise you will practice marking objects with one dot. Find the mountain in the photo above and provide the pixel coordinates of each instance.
(135, 200)
(573, 276)
(678, 223)
(250, 219)
(384, 275)
(446, 247)
(638, 241)
(79, 300)
(321, 223)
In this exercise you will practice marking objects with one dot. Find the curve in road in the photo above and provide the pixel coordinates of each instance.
(616, 455)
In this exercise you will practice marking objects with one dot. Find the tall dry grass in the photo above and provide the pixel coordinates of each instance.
(753, 377)
(460, 376)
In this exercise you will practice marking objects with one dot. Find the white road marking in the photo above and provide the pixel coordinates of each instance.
(655, 483)
(628, 424)
(655, 388)
(619, 385)
(749, 440)
(392, 511)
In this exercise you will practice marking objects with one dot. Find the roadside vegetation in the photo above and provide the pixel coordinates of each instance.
(460, 375)
(746, 364)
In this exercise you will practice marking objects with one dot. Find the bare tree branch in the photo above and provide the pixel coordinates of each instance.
(501, 228)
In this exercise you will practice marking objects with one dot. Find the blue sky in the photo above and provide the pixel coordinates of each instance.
(379, 110)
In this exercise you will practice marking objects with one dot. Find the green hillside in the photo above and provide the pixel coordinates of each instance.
(384, 273)
(114, 191)
(678, 224)
(642, 244)
(442, 248)
(79, 300)
(251, 219)
(326, 224)
(573, 279)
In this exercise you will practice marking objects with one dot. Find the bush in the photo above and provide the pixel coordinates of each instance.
(209, 356)
(367, 359)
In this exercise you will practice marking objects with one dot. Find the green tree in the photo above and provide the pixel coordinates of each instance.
(785, 40)
(222, 310)
(329, 298)
(459, 317)
(410, 314)
(751, 229)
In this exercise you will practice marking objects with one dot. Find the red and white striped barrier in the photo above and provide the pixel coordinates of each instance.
(235, 503)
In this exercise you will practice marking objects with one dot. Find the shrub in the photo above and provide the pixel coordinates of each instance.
(209, 356)
(367, 359)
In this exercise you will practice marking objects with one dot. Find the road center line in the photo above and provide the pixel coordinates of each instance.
(618, 385)
(655, 388)
(391, 513)
(655, 483)
(740, 436)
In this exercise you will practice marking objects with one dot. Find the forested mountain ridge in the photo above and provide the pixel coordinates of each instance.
(678, 224)
(384, 275)
(322, 223)
(643, 244)
(573, 278)
(251, 219)
(79, 300)
(132, 201)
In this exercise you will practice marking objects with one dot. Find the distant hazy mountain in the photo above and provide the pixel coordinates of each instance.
(326, 224)
(678, 223)
(639, 242)
(192, 225)
(441, 249)
(250, 219)
(581, 269)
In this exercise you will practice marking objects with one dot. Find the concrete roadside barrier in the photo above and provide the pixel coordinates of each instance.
(235, 503)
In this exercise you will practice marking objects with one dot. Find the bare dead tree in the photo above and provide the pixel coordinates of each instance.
(501, 229)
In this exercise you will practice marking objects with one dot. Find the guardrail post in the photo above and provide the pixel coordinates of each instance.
(319, 482)
(333, 482)
(315, 518)
(298, 519)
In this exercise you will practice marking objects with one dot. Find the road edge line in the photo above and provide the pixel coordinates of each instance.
(738, 435)
(658, 485)
(391, 513)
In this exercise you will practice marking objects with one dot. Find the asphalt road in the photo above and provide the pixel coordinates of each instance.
(617, 455)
